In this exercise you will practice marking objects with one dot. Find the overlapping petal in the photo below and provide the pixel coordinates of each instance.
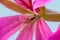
(32, 4)
(9, 25)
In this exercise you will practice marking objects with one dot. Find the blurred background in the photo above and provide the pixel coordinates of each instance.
(54, 5)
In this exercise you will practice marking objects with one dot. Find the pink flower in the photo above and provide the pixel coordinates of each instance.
(14, 23)
(42, 31)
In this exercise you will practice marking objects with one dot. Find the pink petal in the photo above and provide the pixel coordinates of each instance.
(32, 4)
(12, 23)
(25, 3)
(26, 33)
(7, 20)
(39, 3)
(42, 30)
(11, 32)
(56, 35)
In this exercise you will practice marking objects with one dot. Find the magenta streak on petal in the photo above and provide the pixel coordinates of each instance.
(56, 35)
(26, 33)
(20, 3)
(38, 34)
(45, 32)
(25, 4)
(7, 21)
(28, 4)
(46, 27)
